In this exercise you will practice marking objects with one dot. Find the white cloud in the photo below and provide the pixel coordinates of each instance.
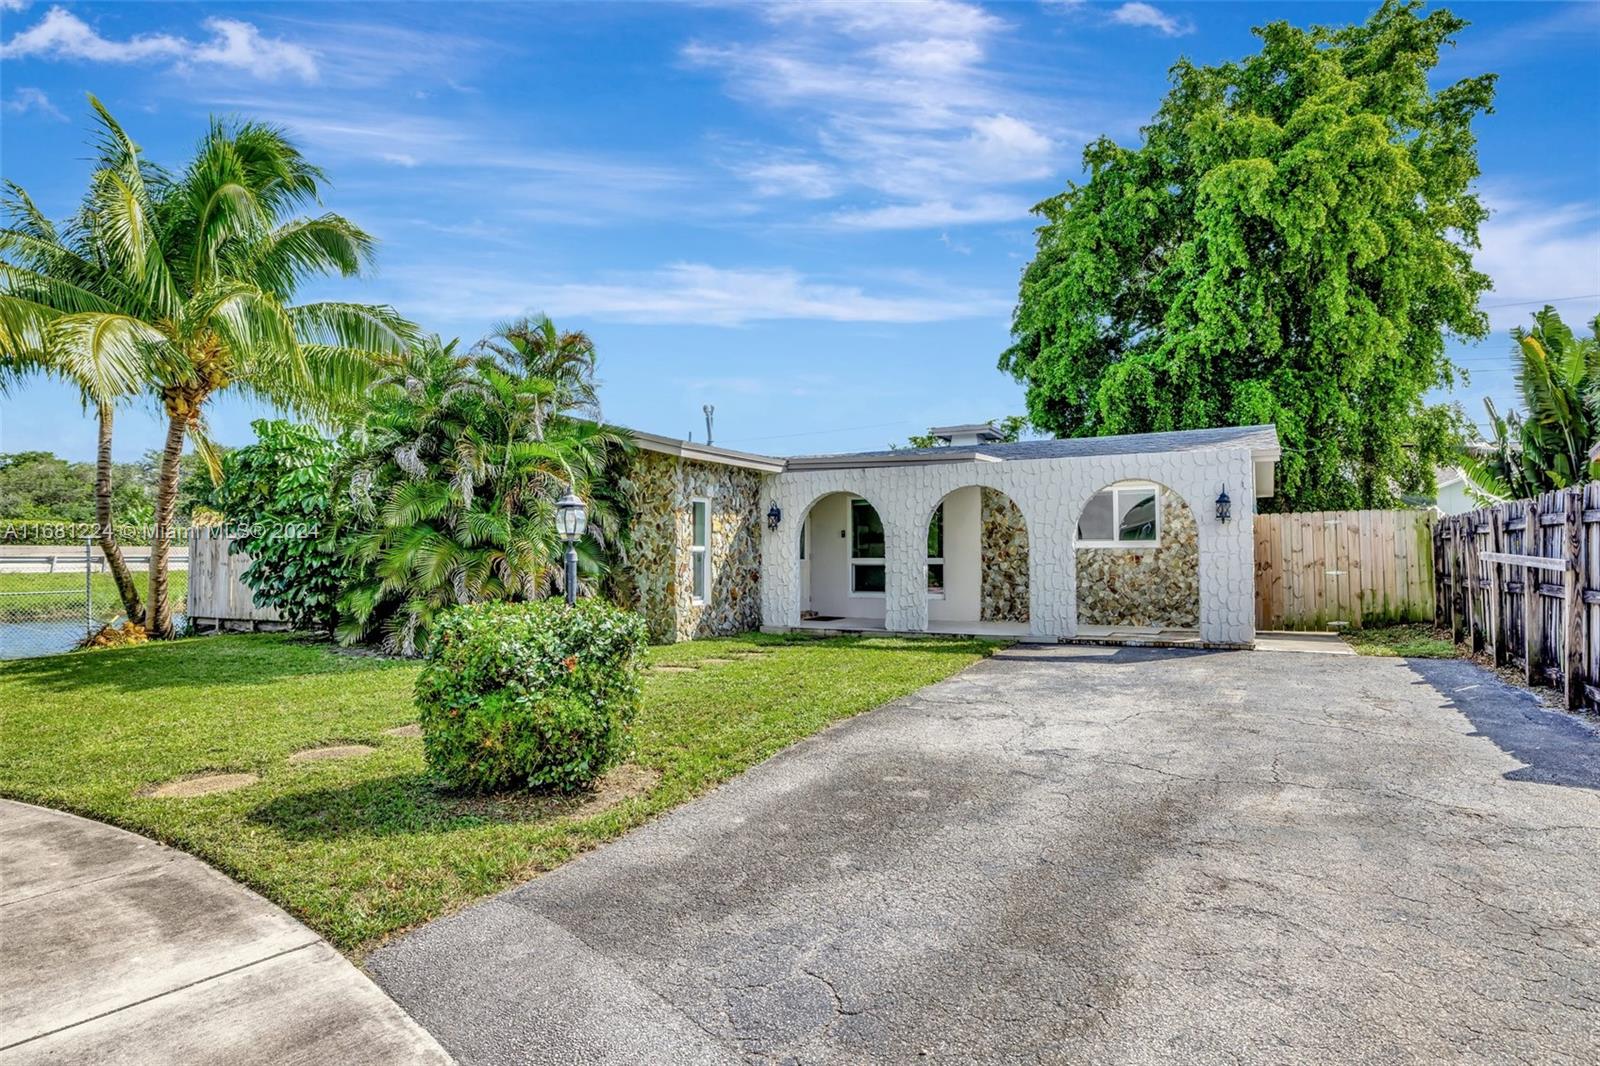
(908, 111)
(239, 45)
(14, 5)
(1537, 253)
(790, 178)
(62, 35)
(1148, 16)
(928, 214)
(691, 294)
(24, 99)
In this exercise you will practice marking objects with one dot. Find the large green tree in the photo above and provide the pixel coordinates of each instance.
(193, 294)
(1291, 242)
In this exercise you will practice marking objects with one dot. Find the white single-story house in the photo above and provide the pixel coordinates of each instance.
(1045, 539)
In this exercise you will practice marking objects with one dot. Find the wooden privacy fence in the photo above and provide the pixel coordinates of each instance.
(1321, 569)
(218, 597)
(1521, 581)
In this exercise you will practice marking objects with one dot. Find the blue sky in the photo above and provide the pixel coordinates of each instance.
(812, 216)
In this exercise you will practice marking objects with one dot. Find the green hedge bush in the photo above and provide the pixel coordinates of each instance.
(530, 695)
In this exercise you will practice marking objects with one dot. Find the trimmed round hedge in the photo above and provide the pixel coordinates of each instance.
(529, 695)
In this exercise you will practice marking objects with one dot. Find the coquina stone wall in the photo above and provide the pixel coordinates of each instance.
(734, 603)
(656, 578)
(1004, 560)
(1157, 586)
(644, 581)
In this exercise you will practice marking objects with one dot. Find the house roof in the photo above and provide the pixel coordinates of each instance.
(706, 453)
(1261, 440)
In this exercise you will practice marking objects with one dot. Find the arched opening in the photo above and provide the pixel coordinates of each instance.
(977, 563)
(1137, 550)
(843, 561)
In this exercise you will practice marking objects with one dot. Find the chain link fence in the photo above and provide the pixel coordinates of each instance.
(51, 600)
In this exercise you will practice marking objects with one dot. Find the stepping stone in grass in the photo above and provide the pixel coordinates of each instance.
(412, 730)
(673, 668)
(200, 785)
(337, 751)
(714, 659)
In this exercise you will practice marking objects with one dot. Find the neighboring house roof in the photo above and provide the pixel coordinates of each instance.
(983, 431)
(1261, 440)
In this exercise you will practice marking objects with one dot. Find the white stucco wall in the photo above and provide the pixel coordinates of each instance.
(1051, 494)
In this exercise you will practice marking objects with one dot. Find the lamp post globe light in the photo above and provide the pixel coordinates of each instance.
(572, 518)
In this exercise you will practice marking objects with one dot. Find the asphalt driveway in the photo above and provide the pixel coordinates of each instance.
(1079, 855)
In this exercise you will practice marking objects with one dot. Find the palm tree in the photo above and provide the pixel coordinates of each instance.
(454, 478)
(206, 263)
(555, 368)
(44, 271)
(1547, 446)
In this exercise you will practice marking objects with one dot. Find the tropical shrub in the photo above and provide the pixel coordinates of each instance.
(1546, 446)
(276, 498)
(454, 478)
(529, 695)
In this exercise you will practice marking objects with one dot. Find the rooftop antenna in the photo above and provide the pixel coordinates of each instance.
(710, 411)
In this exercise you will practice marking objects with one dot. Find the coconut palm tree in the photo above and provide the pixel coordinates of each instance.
(205, 264)
(44, 271)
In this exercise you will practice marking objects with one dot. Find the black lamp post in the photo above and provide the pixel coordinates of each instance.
(1224, 506)
(572, 518)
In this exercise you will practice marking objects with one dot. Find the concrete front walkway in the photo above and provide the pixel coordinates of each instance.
(1078, 855)
(115, 949)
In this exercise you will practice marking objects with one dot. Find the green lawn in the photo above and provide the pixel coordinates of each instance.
(1410, 640)
(37, 597)
(364, 847)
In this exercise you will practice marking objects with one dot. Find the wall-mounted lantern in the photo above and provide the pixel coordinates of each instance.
(774, 515)
(1224, 506)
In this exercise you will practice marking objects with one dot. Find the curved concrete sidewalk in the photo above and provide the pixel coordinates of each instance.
(116, 949)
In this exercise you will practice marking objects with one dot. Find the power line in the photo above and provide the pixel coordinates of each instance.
(1530, 303)
(820, 432)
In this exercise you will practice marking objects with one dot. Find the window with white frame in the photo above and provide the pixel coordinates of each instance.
(867, 574)
(1122, 516)
(699, 556)
(936, 552)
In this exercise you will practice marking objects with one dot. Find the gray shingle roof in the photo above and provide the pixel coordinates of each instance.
(1264, 438)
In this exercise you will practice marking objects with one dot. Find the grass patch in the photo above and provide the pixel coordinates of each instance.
(43, 597)
(361, 848)
(1411, 640)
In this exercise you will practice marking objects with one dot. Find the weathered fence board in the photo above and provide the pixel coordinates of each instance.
(1322, 568)
(218, 596)
(1521, 580)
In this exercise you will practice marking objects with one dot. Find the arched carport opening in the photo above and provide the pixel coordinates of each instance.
(977, 562)
(843, 560)
(1137, 552)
